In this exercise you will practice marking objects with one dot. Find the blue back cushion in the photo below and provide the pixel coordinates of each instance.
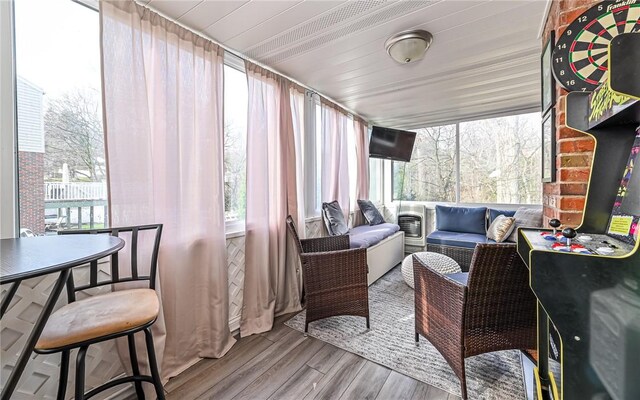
(493, 213)
(461, 219)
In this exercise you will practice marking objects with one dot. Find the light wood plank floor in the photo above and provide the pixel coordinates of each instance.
(284, 364)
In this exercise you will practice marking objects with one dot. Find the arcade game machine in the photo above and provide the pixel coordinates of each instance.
(587, 278)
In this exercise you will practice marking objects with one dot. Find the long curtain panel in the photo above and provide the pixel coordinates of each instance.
(162, 88)
(335, 161)
(271, 284)
(361, 138)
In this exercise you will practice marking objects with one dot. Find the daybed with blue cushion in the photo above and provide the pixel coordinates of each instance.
(384, 241)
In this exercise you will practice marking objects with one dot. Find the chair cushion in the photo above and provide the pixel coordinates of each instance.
(494, 212)
(457, 239)
(334, 219)
(461, 277)
(364, 236)
(370, 212)
(99, 316)
(526, 217)
(461, 219)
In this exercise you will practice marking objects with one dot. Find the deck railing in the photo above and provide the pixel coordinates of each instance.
(56, 191)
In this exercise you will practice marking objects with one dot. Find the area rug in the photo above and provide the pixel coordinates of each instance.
(390, 342)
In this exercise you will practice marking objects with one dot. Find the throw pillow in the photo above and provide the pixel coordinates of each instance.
(501, 227)
(334, 219)
(528, 218)
(370, 212)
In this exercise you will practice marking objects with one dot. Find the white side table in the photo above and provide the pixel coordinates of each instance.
(437, 261)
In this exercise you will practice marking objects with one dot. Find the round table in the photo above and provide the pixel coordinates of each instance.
(25, 258)
(437, 261)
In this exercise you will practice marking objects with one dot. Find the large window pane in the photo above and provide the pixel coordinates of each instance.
(431, 174)
(235, 144)
(500, 160)
(61, 171)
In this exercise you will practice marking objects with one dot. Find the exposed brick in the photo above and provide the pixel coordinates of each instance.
(564, 132)
(31, 190)
(567, 17)
(551, 188)
(564, 199)
(574, 160)
(576, 145)
(575, 203)
(574, 174)
(573, 188)
(570, 218)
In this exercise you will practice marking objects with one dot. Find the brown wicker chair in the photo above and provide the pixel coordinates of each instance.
(334, 277)
(490, 308)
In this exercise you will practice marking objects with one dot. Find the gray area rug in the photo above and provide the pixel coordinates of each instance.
(390, 342)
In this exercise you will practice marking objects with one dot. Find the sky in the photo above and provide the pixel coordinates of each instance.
(58, 49)
(57, 45)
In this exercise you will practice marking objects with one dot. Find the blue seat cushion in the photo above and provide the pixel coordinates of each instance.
(364, 236)
(493, 214)
(457, 239)
(461, 219)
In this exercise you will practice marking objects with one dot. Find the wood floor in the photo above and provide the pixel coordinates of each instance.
(284, 364)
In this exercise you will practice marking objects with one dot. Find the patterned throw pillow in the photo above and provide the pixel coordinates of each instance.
(370, 212)
(528, 218)
(501, 228)
(334, 219)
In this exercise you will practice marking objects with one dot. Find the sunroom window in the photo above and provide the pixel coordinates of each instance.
(61, 161)
(499, 162)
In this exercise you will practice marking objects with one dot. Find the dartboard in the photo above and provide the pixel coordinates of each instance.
(580, 57)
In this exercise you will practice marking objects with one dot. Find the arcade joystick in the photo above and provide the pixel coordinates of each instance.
(569, 233)
(555, 224)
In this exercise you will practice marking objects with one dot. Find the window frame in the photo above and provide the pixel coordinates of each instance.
(9, 217)
(389, 175)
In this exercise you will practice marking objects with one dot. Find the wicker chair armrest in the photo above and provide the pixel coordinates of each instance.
(324, 244)
(329, 270)
(439, 312)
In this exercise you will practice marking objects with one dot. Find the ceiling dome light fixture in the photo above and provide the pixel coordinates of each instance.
(408, 46)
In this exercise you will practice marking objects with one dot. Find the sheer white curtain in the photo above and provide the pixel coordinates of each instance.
(271, 284)
(335, 162)
(361, 133)
(162, 88)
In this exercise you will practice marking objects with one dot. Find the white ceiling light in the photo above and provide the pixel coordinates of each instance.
(408, 46)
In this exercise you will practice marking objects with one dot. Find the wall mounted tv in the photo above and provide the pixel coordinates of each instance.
(391, 144)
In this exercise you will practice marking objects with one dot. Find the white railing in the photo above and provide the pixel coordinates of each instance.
(56, 191)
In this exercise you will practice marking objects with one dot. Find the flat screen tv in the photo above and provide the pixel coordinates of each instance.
(391, 144)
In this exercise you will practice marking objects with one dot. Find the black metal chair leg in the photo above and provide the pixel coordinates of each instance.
(64, 375)
(153, 365)
(134, 365)
(368, 325)
(80, 362)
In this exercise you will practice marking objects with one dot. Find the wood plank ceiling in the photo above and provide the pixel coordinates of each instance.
(484, 59)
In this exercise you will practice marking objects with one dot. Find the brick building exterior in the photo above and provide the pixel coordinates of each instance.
(30, 155)
(564, 199)
(31, 190)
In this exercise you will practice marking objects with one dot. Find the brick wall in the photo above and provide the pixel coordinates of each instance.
(31, 184)
(564, 198)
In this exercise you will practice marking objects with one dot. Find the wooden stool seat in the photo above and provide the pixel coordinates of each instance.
(98, 316)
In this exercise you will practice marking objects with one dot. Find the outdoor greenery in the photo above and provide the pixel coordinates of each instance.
(74, 136)
(499, 163)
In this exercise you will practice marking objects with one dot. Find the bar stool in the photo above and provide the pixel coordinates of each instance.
(82, 323)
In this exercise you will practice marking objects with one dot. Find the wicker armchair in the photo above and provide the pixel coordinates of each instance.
(490, 308)
(334, 277)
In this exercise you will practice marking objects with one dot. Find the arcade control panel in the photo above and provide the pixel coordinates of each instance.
(571, 241)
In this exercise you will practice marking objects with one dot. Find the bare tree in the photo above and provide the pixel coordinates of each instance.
(74, 135)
